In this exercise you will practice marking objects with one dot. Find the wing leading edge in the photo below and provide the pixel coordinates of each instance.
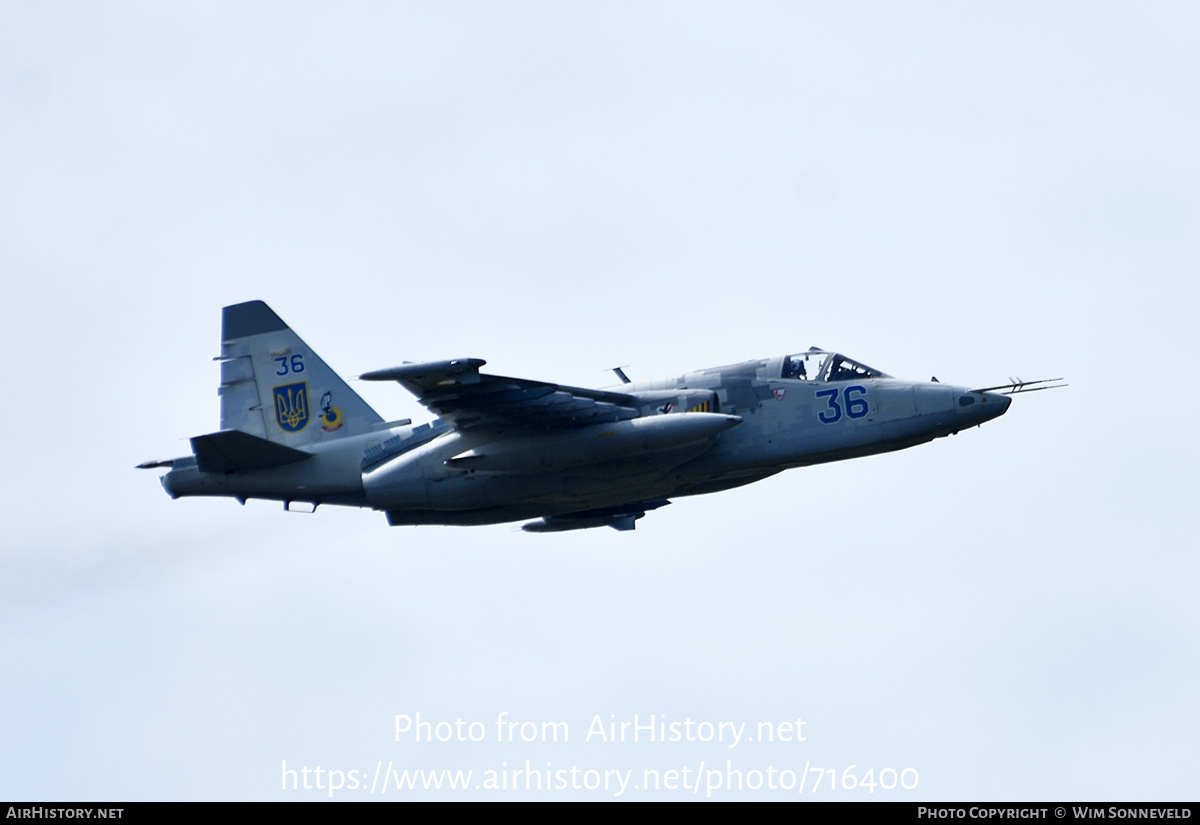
(460, 394)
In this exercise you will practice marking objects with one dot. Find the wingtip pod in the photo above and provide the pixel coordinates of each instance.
(621, 518)
(430, 369)
(552, 525)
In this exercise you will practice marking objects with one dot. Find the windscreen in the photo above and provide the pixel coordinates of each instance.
(826, 366)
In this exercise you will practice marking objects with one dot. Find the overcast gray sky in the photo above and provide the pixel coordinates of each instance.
(975, 191)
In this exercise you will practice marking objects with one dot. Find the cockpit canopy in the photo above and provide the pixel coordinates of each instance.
(817, 365)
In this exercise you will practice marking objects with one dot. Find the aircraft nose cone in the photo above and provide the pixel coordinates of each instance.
(992, 405)
(978, 407)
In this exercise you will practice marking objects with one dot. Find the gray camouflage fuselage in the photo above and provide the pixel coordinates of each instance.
(497, 455)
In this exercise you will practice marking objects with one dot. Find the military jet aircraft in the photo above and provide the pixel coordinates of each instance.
(564, 458)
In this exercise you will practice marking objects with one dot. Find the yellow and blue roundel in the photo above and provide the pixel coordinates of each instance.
(331, 416)
(291, 407)
(331, 419)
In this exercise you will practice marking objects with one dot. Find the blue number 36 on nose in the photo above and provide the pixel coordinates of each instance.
(855, 407)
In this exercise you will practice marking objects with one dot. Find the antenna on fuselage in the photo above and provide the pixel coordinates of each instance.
(621, 374)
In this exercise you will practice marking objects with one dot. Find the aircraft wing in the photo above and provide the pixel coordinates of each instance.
(460, 394)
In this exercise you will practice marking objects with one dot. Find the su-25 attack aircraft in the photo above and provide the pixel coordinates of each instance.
(509, 449)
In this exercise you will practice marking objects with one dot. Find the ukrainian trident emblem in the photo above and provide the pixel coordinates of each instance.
(291, 406)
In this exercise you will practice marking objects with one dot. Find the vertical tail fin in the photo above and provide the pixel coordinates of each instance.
(274, 386)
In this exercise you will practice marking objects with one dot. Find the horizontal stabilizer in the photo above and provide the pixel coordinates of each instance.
(230, 450)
